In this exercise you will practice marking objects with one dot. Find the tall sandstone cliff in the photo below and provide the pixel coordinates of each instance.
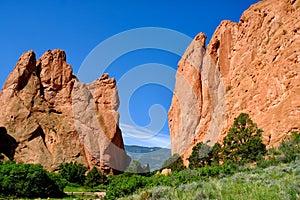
(49, 117)
(252, 66)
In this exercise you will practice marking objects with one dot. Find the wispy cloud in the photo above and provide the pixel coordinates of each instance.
(133, 135)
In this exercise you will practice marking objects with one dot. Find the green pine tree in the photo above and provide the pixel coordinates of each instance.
(94, 178)
(243, 142)
(175, 163)
(73, 172)
(201, 156)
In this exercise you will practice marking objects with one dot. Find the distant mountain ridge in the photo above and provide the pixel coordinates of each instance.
(141, 149)
(154, 156)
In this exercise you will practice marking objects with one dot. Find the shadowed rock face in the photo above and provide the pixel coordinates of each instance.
(252, 66)
(8, 144)
(43, 106)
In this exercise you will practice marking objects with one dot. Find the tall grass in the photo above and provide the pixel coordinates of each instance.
(274, 182)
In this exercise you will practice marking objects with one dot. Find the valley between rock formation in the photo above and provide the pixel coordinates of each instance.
(253, 66)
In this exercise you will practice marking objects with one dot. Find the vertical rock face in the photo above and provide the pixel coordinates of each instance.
(252, 66)
(42, 110)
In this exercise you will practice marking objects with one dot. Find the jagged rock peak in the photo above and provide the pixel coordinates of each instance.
(54, 70)
(201, 39)
(54, 118)
(24, 68)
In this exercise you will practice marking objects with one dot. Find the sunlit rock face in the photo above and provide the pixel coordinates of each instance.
(252, 66)
(45, 109)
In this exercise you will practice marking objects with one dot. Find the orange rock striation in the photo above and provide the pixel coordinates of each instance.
(252, 66)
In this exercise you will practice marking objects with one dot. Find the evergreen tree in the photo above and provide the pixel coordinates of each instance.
(243, 142)
(215, 154)
(94, 178)
(201, 156)
(136, 168)
(175, 163)
(73, 172)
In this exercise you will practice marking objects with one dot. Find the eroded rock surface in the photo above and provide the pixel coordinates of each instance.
(252, 66)
(44, 108)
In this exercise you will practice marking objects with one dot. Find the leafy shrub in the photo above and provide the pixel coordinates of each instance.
(290, 147)
(200, 156)
(27, 180)
(73, 172)
(264, 163)
(287, 151)
(94, 178)
(215, 171)
(175, 163)
(203, 155)
(58, 180)
(271, 158)
(122, 185)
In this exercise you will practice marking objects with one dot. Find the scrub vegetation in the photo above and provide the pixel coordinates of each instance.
(239, 168)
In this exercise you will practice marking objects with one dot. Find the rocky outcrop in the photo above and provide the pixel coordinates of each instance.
(8, 144)
(252, 66)
(44, 108)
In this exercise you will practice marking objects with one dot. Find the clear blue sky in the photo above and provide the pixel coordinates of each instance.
(79, 26)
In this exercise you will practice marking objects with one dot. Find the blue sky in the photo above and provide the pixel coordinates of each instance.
(79, 26)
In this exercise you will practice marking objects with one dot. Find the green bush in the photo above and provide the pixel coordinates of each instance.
(200, 156)
(182, 177)
(27, 180)
(287, 151)
(175, 163)
(58, 180)
(290, 147)
(215, 171)
(203, 155)
(123, 185)
(264, 163)
(73, 172)
(94, 178)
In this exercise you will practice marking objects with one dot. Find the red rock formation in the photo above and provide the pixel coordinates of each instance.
(252, 66)
(42, 111)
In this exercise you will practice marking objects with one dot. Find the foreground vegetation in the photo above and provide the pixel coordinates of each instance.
(32, 181)
(275, 182)
(240, 168)
(277, 176)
